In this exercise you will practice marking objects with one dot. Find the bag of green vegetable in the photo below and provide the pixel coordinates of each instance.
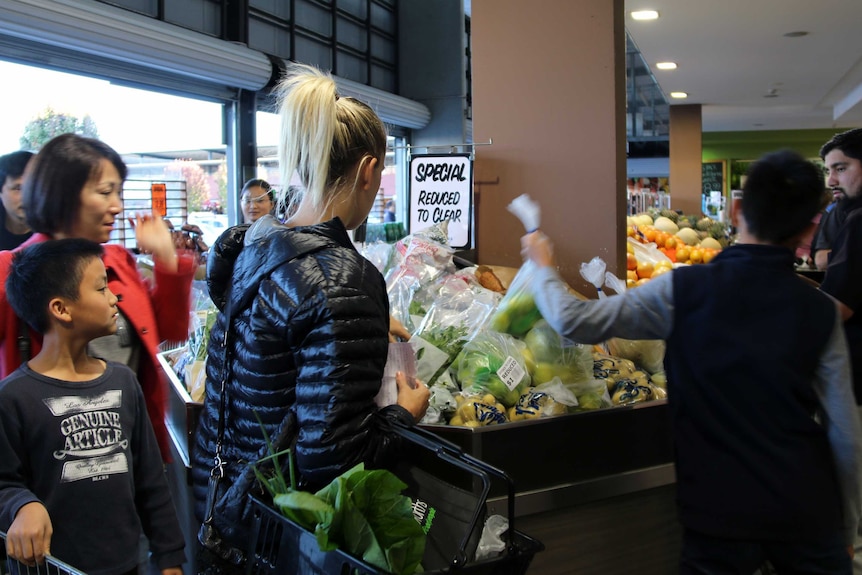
(555, 356)
(457, 313)
(493, 363)
(517, 312)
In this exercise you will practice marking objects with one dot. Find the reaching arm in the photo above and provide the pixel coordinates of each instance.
(834, 390)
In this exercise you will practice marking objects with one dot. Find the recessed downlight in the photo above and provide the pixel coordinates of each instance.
(644, 15)
(678, 95)
(666, 65)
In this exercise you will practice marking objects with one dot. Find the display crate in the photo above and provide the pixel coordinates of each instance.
(547, 452)
(182, 413)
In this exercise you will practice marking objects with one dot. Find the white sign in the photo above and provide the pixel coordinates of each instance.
(441, 189)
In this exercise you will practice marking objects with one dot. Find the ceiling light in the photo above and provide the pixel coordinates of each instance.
(678, 95)
(666, 65)
(644, 15)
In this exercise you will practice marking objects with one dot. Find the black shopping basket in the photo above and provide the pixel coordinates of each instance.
(52, 566)
(280, 546)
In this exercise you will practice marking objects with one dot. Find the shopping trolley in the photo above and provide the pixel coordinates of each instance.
(51, 566)
(279, 545)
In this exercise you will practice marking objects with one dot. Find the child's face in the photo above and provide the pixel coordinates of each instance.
(95, 312)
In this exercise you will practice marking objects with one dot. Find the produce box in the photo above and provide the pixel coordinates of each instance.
(182, 413)
(549, 452)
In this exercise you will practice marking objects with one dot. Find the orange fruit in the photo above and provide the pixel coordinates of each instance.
(641, 281)
(631, 262)
(709, 254)
(683, 252)
(631, 275)
(671, 242)
(630, 231)
(630, 283)
(696, 256)
(650, 234)
(645, 270)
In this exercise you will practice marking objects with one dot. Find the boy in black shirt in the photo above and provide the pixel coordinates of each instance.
(80, 471)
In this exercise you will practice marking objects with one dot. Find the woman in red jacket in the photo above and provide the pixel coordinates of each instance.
(72, 189)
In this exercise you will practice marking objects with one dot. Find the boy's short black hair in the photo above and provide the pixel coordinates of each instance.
(849, 142)
(12, 165)
(46, 270)
(782, 193)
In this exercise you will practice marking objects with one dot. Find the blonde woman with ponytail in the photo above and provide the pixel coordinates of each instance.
(305, 318)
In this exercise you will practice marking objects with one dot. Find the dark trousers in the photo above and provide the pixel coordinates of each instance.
(706, 555)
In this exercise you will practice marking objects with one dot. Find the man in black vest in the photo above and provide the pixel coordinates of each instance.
(767, 437)
(842, 156)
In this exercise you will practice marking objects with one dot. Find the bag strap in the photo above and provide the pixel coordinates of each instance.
(217, 472)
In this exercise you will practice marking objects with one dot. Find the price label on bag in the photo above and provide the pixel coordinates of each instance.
(511, 373)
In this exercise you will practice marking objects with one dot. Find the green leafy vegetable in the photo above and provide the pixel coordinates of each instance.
(361, 512)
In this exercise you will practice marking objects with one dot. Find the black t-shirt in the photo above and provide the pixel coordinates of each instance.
(8, 240)
(842, 280)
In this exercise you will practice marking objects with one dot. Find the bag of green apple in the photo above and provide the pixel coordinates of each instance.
(550, 355)
(493, 362)
(517, 312)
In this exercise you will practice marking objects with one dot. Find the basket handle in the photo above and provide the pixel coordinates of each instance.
(451, 453)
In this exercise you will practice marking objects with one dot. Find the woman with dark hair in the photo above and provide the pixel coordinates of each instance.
(256, 199)
(73, 189)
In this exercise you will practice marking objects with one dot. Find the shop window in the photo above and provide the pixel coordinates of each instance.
(162, 138)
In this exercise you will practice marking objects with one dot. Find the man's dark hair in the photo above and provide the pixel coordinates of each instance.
(781, 195)
(849, 142)
(46, 270)
(52, 189)
(12, 165)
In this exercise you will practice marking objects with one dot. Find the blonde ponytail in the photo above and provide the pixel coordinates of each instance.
(322, 135)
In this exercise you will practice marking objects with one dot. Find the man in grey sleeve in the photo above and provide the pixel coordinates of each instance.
(766, 434)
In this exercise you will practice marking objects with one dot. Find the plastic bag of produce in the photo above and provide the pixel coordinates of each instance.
(378, 253)
(424, 261)
(554, 356)
(517, 312)
(493, 363)
(591, 394)
(478, 410)
(646, 353)
(548, 400)
(458, 312)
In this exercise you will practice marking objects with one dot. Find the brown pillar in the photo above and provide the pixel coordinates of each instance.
(686, 158)
(549, 90)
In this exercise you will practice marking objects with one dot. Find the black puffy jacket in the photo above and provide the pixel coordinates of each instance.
(309, 341)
